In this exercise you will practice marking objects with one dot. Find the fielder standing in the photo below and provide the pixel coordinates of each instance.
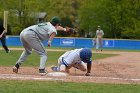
(77, 58)
(99, 38)
(32, 38)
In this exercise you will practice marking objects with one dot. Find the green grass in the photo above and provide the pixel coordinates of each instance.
(106, 49)
(124, 50)
(20, 86)
(119, 49)
(15, 86)
(9, 59)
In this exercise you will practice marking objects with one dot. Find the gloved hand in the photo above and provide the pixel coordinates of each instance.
(70, 30)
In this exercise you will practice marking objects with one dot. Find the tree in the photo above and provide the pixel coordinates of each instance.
(118, 18)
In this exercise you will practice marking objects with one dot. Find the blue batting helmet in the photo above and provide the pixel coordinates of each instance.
(85, 54)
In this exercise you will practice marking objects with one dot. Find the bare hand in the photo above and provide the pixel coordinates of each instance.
(87, 74)
(49, 43)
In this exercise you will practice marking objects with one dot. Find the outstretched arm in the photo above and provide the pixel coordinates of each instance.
(66, 29)
(61, 28)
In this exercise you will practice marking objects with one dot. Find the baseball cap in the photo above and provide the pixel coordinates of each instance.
(56, 20)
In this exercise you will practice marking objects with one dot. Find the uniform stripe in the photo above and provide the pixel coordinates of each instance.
(64, 62)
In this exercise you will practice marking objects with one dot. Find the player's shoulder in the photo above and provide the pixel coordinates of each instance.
(48, 23)
(77, 51)
(51, 26)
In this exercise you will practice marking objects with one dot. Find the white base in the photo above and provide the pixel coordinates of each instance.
(56, 74)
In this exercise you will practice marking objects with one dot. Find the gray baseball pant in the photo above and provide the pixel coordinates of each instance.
(31, 41)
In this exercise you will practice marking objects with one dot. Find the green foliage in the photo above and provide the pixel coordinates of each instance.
(17, 29)
(118, 18)
(24, 11)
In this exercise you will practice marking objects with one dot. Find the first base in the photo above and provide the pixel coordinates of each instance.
(57, 74)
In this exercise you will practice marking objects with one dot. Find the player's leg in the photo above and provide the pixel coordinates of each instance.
(97, 44)
(101, 44)
(3, 41)
(61, 66)
(81, 66)
(64, 66)
(26, 41)
(27, 51)
(22, 59)
(40, 50)
(57, 68)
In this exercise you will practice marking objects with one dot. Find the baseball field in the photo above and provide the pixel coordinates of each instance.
(112, 72)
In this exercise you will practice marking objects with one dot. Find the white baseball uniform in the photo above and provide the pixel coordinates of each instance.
(32, 38)
(99, 34)
(71, 59)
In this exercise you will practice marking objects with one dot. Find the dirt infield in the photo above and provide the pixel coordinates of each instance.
(124, 68)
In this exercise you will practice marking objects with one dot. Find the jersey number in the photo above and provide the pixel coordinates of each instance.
(42, 24)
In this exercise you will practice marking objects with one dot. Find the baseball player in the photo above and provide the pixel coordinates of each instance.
(3, 38)
(77, 58)
(99, 38)
(32, 38)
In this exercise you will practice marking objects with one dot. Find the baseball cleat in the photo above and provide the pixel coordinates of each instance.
(15, 68)
(42, 72)
(8, 51)
(55, 68)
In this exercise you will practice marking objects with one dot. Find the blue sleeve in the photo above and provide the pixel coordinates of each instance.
(89, 62)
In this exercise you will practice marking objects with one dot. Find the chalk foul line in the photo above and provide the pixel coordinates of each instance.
(33, 77)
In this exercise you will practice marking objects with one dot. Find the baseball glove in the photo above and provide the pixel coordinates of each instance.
(70, 30)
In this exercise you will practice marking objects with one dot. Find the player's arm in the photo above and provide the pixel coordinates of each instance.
(61, 28)
(96, 34)
(102, 32)
(66, 29)
(2, 32)
(88, 68)
(51, 38)
(89, 64)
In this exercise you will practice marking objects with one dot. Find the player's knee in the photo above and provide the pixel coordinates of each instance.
(84, 69)
(62, 68)
(27, 52)
(44, 57)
